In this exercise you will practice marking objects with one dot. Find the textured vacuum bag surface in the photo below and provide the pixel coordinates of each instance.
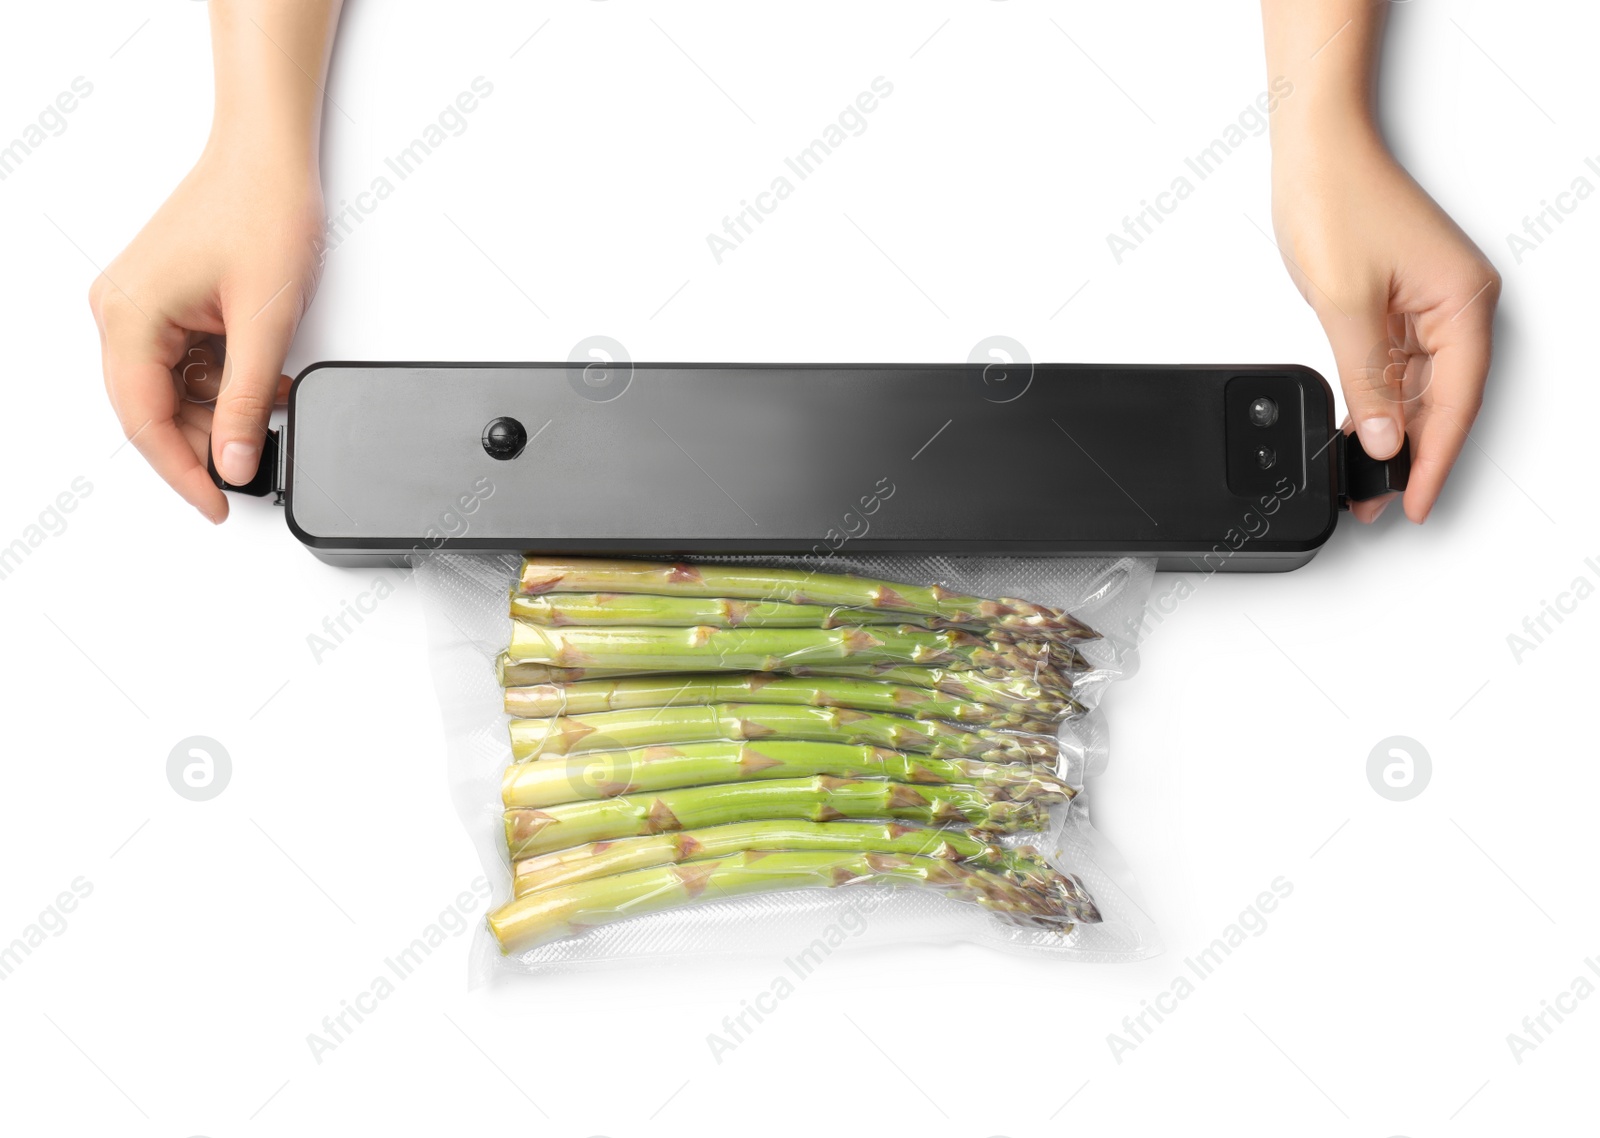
(470, 626)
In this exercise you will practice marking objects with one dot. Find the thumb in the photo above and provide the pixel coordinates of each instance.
(257, 342)
(1370, 374)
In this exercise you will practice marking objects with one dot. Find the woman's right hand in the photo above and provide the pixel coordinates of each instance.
(197, 313)
(201, 307)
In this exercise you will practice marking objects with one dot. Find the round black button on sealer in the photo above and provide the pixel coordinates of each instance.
(504, 438)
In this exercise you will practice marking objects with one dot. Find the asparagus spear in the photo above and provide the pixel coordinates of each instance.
(550, 914)
(583, 697)
(820, 799)
(601, 859)
(795, 586)
(558, 609)
(774, 649)
(607, 774)
(1017, 694)
(613, 730)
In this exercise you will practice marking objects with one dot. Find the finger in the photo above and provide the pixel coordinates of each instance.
(258, 341)
(1363, 349)
(1370, 510)
(194, 420)
(199, 373)
(199, 376)
(279, 397)
(1459, 373)
(1458, 339)
(137, 354)
(146, 411)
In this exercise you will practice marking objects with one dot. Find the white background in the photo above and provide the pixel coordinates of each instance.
(219, 934)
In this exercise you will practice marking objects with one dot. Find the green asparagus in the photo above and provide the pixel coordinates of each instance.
(560, 609)
(662, 760)
(584, 697)
(608, 774)
(549, 914)
(1022, 695)
(612, 730)
(819, 799)
(601, 859)
(777, 649)
(794, 586)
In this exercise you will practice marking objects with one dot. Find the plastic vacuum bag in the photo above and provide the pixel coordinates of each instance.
(746, 880)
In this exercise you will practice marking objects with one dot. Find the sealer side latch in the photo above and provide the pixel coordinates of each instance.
(1362, 477)
(269, 472)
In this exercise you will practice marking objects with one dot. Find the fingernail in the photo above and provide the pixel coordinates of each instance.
(214, 519)
(1382, 507)
(1379, 436)
(238, 464)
